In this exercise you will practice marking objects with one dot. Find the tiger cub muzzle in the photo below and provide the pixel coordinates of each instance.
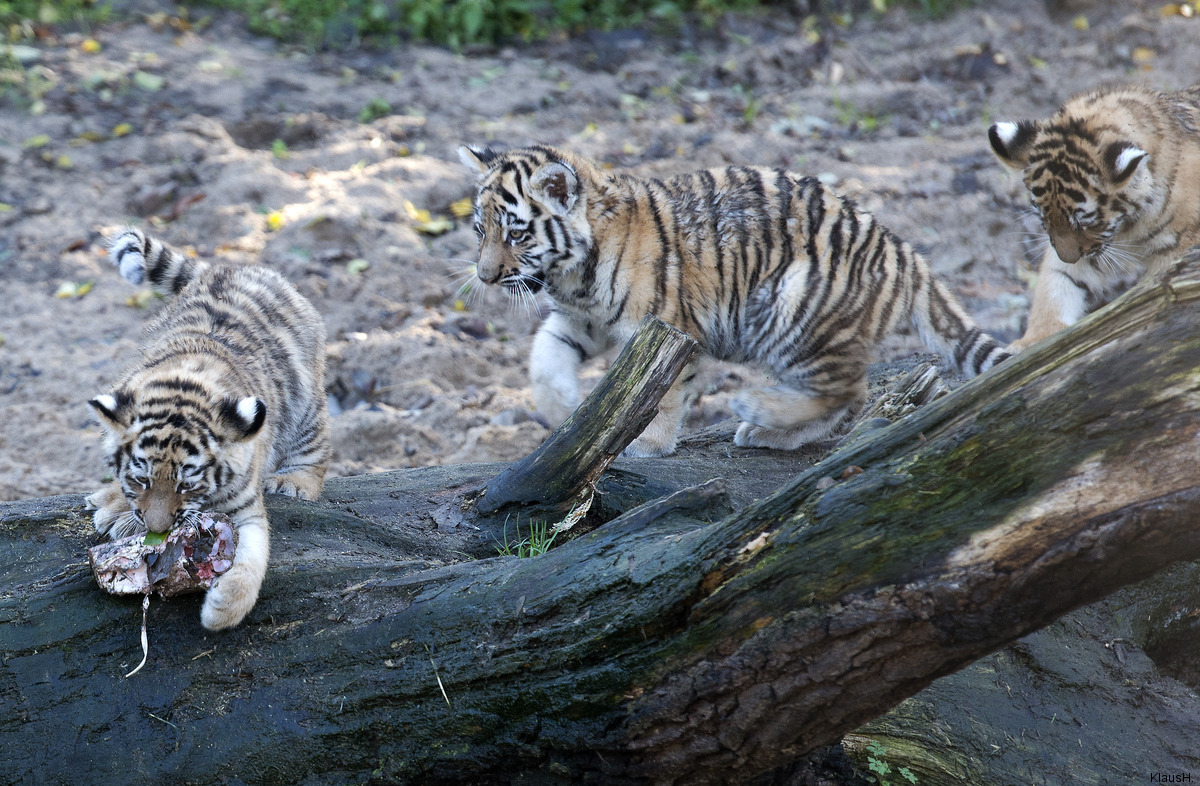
(159, 505)
(1070, 244)
(496, 262)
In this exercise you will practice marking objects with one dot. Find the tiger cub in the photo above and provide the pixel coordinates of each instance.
(757, 265)
(1115, 177)
(228, 400)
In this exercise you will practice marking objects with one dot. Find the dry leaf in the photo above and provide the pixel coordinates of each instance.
(72, 289)
(1080, 22)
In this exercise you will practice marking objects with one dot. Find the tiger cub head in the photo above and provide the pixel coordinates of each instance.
(174, 451)
(1087, 182)
(530, 216)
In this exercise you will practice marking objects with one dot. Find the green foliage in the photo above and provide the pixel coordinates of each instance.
(17, 15)
(540, 539)
(339, 23)
(375, 109)
(879, 766)
(932, 8)
(458, 22)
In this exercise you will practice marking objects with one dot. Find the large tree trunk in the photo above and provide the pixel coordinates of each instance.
(686, 646)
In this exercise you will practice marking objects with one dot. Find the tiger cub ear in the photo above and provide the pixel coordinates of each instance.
(556, 185)
(244, 417)
(1011, 142)
(476, 159)
(1122, 159)
(113, 409)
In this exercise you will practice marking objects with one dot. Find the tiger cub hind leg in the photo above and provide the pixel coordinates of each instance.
(299, 482)
(300, 472)
(786, 418)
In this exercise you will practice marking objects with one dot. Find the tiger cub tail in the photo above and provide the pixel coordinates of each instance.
(943, 324)
(141, 258)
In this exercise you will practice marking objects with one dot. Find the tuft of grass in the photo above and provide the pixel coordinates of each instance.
(539, 540)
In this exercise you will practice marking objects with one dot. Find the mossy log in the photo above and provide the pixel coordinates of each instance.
(691, 646)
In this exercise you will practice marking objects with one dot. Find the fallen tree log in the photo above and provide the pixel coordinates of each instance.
(683, 647)
(1105, 695)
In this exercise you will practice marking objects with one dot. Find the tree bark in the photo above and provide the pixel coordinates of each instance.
(612, 416)
(664, 648)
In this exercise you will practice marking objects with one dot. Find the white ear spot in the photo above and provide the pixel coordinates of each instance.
(107, 402)
(247, 408)
(1127, 157)
(1006, 131)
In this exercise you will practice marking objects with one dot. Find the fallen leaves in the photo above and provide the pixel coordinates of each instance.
(1186, 10)
(73, 289)
(151, 83)
(425, 222)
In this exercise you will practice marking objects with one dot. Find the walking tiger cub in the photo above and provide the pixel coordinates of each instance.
(756, 264)
(1115, 177)
(228, 399)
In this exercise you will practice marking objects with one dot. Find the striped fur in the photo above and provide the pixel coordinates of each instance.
(758, 265)
(228, 400)
(1115, 178)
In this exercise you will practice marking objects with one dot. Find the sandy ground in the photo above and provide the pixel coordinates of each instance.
(245, 149)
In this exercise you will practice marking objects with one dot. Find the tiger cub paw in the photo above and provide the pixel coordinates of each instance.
(751, 436)
(299, 483)
(231, 596)
(227, 603)
(126, 250)
(646, 448)
(113, 516)
(658, 438)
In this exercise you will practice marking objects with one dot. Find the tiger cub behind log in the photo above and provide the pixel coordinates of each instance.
(228, 400)
(1115, 178)
(756, 264)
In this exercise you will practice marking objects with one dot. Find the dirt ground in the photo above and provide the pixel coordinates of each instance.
(245, 149)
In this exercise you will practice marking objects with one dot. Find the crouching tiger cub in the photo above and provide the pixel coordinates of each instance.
(757, 265)
(1115, 177)
(228, 399)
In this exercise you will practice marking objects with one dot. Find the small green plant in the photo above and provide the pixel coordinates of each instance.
(375, 109)
(279, 149)
(750, 104)
(855, 119)
(879, 766)
(539, 540)
(930, 8)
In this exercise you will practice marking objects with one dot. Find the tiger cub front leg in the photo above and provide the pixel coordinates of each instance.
(559, 348)
(1058, 302)
(659, 438)
(234, 593)
(114, 515)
